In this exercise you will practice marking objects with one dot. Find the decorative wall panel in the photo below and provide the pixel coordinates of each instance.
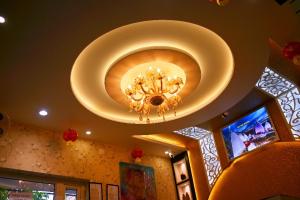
(193, 132)
(273, 83)
(290, 105)
(210, 158)
(209, 151)
(287, 96)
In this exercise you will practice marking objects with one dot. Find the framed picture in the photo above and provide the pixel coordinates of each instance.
(183, 177)
(184, 191)
(137, 182)
(180, 169)
(95, 191)
(112, 192)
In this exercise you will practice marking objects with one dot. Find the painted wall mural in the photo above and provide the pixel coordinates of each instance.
(137, 182)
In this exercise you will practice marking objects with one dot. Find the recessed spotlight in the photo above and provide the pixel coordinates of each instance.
(43, 113)
(224, 115)
(88, 132)
(169, 153)
(2, 20)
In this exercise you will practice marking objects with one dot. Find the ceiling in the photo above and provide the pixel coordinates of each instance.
(283, 66)
(41, 41)
(90, 71)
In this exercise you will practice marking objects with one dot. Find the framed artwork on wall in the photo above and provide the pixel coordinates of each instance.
(112, 192)
(137, 182)
(183, 177)
(180, 170)
(95, 191)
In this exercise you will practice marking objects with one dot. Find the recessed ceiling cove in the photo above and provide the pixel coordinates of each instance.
(195, 63)
(171, 63)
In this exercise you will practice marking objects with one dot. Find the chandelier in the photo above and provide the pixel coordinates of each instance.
(153, 90)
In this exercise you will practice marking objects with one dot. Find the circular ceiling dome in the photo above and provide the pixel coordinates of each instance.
(199, 55)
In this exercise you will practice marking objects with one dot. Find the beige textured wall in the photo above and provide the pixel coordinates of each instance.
(33, 149)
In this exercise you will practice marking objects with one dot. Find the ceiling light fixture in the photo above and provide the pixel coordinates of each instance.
(154, 90)
(2, 20)
(88, 132)
(43, 113)
(169, 153)
(224, 115)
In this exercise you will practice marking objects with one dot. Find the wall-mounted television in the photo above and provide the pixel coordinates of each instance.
(248, 133)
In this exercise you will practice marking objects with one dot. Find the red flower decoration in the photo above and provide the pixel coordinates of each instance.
(137, 153)
(291, 50)
(70, 135)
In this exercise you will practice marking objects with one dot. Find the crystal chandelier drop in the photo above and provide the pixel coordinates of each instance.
(153, 90)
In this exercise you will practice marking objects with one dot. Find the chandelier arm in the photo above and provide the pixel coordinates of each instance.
(154, 86)
(143, 89)
(164, 96)
(136, 99)
(161, 86)
(152, 92)
(177, 88)
(139, 110)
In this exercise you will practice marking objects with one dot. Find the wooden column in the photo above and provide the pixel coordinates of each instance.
(198, 171)
(81, 192)
(59, 191)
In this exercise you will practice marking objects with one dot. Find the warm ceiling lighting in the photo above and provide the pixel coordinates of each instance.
(161, 139)
(88, 132)
(43, 113)
(169, 153)
(154, 90)
(97, 81)
(2, 20)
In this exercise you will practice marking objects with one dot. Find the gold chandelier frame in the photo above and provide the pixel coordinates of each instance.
(176, 57)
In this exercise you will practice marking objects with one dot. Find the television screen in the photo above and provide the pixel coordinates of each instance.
(248, 133)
